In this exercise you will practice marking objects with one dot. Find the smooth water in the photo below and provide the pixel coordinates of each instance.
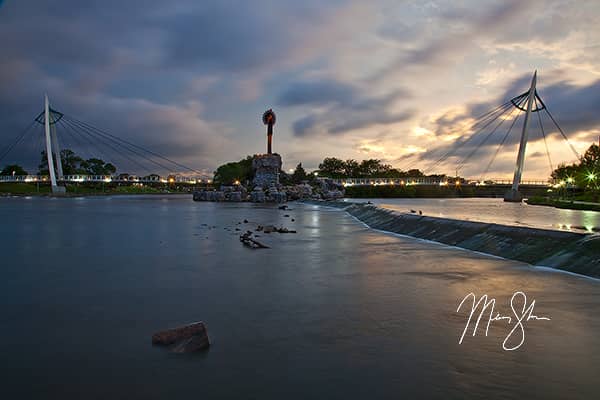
(334, 311)
(497, 211)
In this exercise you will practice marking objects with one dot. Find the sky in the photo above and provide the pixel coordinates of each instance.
(399, 81)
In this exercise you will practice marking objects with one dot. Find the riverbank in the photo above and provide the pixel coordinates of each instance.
(569, 251)
(564, 204)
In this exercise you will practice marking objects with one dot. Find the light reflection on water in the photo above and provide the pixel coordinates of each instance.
(334, 311)
(497, 211)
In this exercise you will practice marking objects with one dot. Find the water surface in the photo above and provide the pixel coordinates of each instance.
(334, 311)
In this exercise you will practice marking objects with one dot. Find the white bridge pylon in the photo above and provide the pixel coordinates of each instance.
(513, 195)
(51, 140)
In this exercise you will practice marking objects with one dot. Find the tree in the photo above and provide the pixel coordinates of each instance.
(299, 174)
(591, 158)
(414, 173)
(95, 166)
(72, 164)
(373, 168)
(586, 174)
(351, 169)
(229, 173)
(13, 169)
(332, 167)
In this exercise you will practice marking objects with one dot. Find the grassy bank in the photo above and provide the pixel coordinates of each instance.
(566, 204)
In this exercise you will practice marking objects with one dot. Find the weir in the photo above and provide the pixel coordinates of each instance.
(569, 251)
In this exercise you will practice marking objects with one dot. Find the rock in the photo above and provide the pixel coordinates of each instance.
(245, 221)
(184, 339)
(269, 229)
(234, 196)
(266, 169)
(278, 197)
(257, 196)
(249, 241)
(191, 345)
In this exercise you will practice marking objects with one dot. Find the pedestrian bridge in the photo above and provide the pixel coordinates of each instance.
(438, 181)
(104, 179)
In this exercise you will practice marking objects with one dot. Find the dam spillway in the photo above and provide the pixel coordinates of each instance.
(564, 250)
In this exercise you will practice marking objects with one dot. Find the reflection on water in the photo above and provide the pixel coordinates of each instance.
(335, 311)
(497, 211)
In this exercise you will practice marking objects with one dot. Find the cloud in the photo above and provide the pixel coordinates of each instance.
(573, 107)
(338, 108)
(189, 78)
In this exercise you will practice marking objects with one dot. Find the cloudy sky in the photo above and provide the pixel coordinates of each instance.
(394, 80)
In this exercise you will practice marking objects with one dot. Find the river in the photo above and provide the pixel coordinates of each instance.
(335, 311)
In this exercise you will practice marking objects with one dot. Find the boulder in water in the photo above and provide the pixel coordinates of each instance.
(183, 339)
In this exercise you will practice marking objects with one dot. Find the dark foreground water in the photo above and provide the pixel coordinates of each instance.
(335, 311)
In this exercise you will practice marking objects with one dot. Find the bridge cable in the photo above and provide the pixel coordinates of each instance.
(545, 141)
(18, 139)
(138, 147)
(94, 147)
(563, 134)
(77, 146)
(115, 140)
(107, 140)
(499, 147)
(485, 139)
(489, 118)
(105, 143)
(465, 159)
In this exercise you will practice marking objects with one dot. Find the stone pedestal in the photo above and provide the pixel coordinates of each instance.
(266, 169)
(513, 196)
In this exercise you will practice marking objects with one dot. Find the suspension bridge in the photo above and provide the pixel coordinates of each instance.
(495, 125)
(62, 138)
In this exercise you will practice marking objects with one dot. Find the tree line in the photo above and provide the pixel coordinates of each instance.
(72, 164)
(332, 167)
(585, 173)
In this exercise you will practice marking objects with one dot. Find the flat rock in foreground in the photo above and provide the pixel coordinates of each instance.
(183, 339)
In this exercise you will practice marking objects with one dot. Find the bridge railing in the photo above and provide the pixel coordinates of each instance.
(104, 178)
(419, 180)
